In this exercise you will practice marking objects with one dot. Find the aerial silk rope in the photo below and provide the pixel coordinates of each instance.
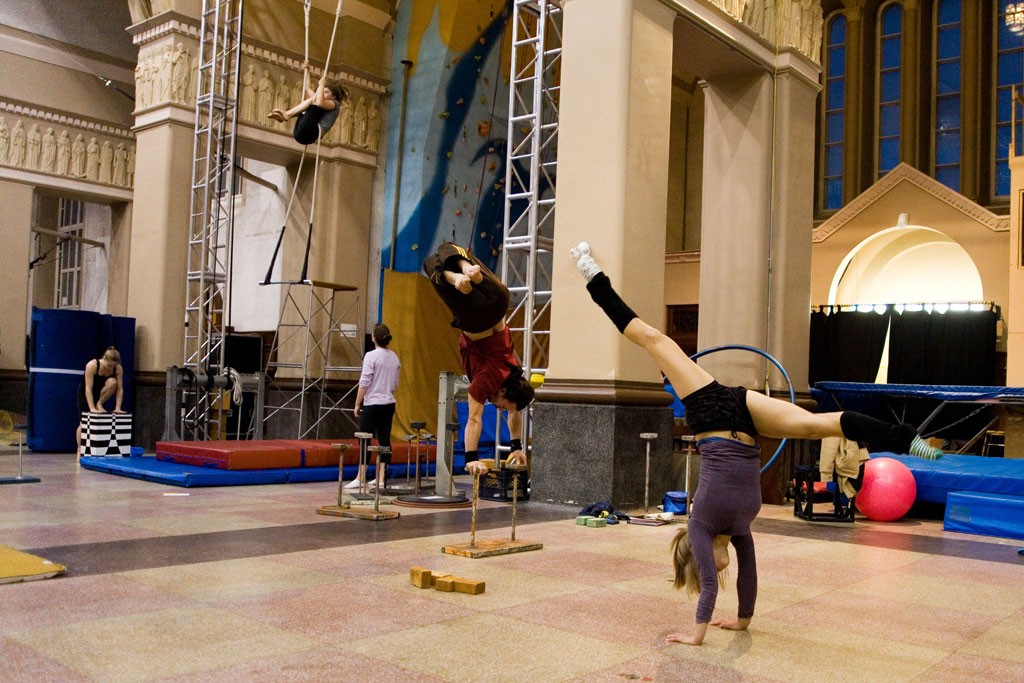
(316, 162)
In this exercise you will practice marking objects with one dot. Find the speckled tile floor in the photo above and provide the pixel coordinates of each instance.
(250, 584)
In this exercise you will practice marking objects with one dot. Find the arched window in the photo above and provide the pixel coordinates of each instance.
(946, 122)
(834, 113)
(1009, 52)
(890, 63)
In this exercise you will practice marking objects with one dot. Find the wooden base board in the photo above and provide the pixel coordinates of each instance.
(491, 548)
(369, 514)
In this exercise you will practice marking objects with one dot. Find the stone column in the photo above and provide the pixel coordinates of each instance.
(789, 289)
(15, 224)
(159, 243)
(601, 391)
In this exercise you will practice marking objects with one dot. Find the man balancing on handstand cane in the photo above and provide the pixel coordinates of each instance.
(478, 301)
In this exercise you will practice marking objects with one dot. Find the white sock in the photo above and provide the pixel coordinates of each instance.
(585, 263)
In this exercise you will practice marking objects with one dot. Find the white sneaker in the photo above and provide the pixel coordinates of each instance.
(585, 263)
(353, 485)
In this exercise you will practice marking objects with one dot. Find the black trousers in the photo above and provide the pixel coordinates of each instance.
(480, 310)
(377, 420)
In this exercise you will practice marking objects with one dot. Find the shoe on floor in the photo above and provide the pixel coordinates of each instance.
(352, 485)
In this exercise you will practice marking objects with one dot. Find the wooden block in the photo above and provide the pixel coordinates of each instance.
(435, 577)
(420, 577)
(582, 521)
(469, 586)
(597, 522)
(445, 583)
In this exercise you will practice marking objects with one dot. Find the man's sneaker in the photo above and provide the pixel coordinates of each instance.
(584, 261)
(919, 448)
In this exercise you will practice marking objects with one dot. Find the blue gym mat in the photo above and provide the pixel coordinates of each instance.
(148, 468)
(937, 478)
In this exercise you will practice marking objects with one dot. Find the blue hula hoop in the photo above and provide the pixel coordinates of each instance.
(777, 364)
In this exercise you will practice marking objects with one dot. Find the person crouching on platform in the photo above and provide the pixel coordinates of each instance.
(478, 301)
(103, 381)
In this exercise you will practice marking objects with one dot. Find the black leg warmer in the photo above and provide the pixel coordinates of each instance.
(878, 435)
(601, 291)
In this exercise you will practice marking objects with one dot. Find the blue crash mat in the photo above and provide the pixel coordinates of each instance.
(937, 478)
(988, 514)
(148, 468)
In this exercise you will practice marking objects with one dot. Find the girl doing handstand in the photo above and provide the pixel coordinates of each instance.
(726, 422)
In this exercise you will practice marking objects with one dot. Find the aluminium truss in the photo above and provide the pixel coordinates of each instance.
(211, 214)
(530, 178)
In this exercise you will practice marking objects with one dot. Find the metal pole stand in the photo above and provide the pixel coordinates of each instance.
(343, 509)
(364, 456)
(506, 546)
(21, 478)
(648, 437)
(453, 497)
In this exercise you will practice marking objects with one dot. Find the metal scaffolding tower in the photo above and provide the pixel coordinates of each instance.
(530, 176)
(211, 217)
(316, 333)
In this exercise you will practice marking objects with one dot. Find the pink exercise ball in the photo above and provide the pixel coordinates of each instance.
(888, 491)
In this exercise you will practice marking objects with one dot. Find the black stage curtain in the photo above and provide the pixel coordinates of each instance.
(846, 346)
(943, 348)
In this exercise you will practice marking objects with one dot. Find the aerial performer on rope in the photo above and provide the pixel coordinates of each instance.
(316, 114)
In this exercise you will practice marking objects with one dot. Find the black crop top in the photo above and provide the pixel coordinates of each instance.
(714, 408)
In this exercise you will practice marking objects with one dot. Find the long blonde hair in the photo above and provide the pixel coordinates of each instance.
(687, 573)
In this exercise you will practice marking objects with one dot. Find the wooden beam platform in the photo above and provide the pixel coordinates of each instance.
(491, 548)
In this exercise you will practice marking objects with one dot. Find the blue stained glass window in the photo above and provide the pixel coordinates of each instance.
(950, 177)
(834, 161)
(949, 12)
(1010, 67)
(834, 113)
(891, 54)
(947, 113)
(890, 86)
(836, 96)
(837, 61)
(1009, 54)
(947, 100)
(1003, 179)
(949, 42)
(892, 20)
(889, 121)
(948, 77)
(833, 193)
(888, 155)
(1004, 104)
(947, 148)
(834, 127)
(888, 109)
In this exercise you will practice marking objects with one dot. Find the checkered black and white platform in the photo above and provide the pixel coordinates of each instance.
(106, 434)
